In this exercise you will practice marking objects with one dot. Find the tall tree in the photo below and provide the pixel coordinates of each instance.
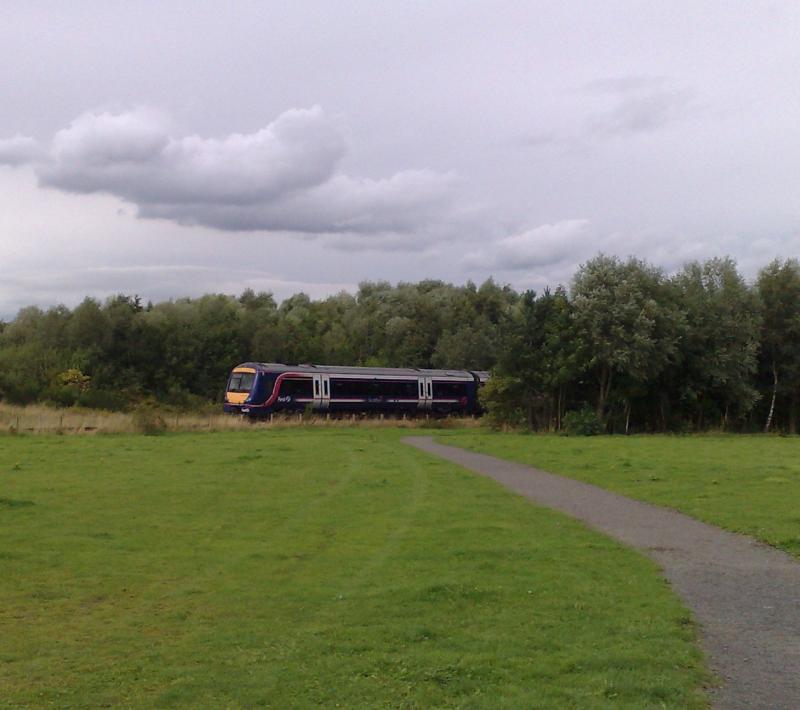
(626, 319)
(722, 339)
(538, 356)
(779, 289)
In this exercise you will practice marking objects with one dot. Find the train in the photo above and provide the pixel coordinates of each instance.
(257, 389)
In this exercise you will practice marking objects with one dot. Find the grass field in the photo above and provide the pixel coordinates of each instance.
(748, 484)
(314, 567)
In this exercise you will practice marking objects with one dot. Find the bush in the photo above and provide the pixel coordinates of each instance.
(62, 396)
(103, 399)
(148, 421)
(182, 400)
(500, 400)
(582, 422)
(19, 392)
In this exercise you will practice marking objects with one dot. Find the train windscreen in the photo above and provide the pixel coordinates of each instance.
(241, 382)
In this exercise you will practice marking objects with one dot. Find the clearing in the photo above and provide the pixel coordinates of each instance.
(298, 567)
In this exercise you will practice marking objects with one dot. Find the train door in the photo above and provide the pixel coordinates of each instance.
(425, 385)
(322, 391)
(326, 391)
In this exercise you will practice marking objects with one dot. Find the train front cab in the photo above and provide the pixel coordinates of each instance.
(246, 390)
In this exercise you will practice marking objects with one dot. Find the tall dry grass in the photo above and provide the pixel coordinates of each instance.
(41, 419)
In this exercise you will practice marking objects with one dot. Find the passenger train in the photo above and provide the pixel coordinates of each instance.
(257, 389)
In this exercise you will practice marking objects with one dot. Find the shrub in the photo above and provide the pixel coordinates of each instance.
(62, 396)
(103, 399)
(582, 422)
(500, 400)
(148, 421)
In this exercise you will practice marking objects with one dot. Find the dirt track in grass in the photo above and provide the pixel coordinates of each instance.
(745, 595)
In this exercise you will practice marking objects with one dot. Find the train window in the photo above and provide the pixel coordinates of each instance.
(348, 389)
(390, 389)
(296, 388)
(316, 388)
(449, 390)
(325, 387)
(396, 389)
(241, 382)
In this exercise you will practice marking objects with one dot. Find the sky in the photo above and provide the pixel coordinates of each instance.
(178, 148)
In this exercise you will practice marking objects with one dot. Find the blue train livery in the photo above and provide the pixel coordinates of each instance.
(257, 389)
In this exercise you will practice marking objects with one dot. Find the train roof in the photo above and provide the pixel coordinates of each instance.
(368, 371)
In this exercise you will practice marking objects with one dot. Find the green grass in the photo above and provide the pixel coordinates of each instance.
(300, 567)
(748, 484)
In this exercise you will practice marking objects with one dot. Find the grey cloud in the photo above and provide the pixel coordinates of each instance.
(642, 113)
(19, 150)
(339, 205)
(284, 177)
(542, 246)
(615, 107)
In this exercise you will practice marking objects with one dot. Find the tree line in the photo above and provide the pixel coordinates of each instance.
(626, 346)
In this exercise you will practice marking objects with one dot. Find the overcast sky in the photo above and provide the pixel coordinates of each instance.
(177, 148)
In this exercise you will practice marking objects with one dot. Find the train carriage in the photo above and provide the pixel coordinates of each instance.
(258, 389)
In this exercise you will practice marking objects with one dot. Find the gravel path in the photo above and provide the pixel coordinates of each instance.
(744, 594)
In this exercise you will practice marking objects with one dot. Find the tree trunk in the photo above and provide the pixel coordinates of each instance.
(774, 395)
(627, 416)
(605, 387)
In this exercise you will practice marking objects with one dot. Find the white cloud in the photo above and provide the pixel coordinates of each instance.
(542, 246)
(284, 177)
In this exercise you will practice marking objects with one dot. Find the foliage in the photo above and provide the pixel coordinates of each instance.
(627, 320)
(582, 422)
(701, 349)
(246, 569)
(779, 289)
(500, 399)
(181, 351)
(536, 361)
(721, 342)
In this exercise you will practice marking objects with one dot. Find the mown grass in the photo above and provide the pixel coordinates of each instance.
(314, 567)
(748, 484)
